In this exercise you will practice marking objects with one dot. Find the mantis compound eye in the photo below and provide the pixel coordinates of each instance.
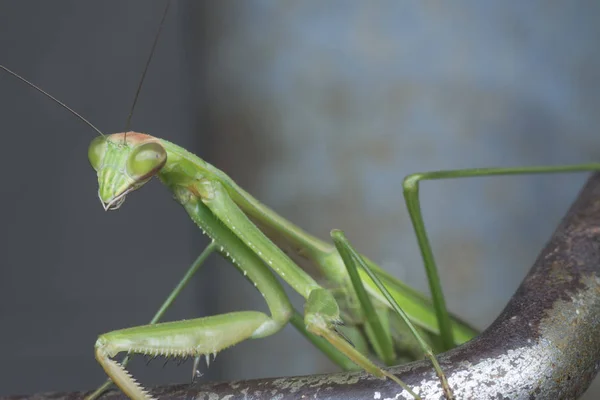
(145, 160)
(96, 152)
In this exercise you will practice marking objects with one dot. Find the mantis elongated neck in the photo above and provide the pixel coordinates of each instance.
(183, 166)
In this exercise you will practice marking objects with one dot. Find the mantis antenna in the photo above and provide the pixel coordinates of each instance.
(60, 103)
(139, 88)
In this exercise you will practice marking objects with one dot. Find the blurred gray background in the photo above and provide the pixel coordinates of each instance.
(317, 108)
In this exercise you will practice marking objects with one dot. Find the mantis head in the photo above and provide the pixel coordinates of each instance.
(124, 163)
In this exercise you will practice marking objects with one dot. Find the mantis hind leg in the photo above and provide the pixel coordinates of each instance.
(411, 196)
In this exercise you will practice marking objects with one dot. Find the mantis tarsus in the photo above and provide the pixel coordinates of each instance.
(515, 171)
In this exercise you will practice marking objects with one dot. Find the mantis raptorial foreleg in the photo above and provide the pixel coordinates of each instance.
(165, 306)
(203, 336)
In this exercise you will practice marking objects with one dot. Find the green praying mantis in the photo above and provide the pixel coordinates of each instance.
(261, 243)
(251, 236)
(233, 219)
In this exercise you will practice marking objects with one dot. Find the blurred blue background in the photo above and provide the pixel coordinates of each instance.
(317, 108)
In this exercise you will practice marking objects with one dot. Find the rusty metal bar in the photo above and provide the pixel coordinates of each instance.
(544, 345)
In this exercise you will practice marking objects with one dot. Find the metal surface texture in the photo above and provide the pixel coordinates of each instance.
(544, 345)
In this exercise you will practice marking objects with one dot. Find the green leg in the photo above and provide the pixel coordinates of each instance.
(202, 336)
(163, 308)
(320, 312)
(324, 346)
(411, 195)
(353, 261)
(380, 336)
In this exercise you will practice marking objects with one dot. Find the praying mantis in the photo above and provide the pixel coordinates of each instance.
(167, 137)
(231, 218)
